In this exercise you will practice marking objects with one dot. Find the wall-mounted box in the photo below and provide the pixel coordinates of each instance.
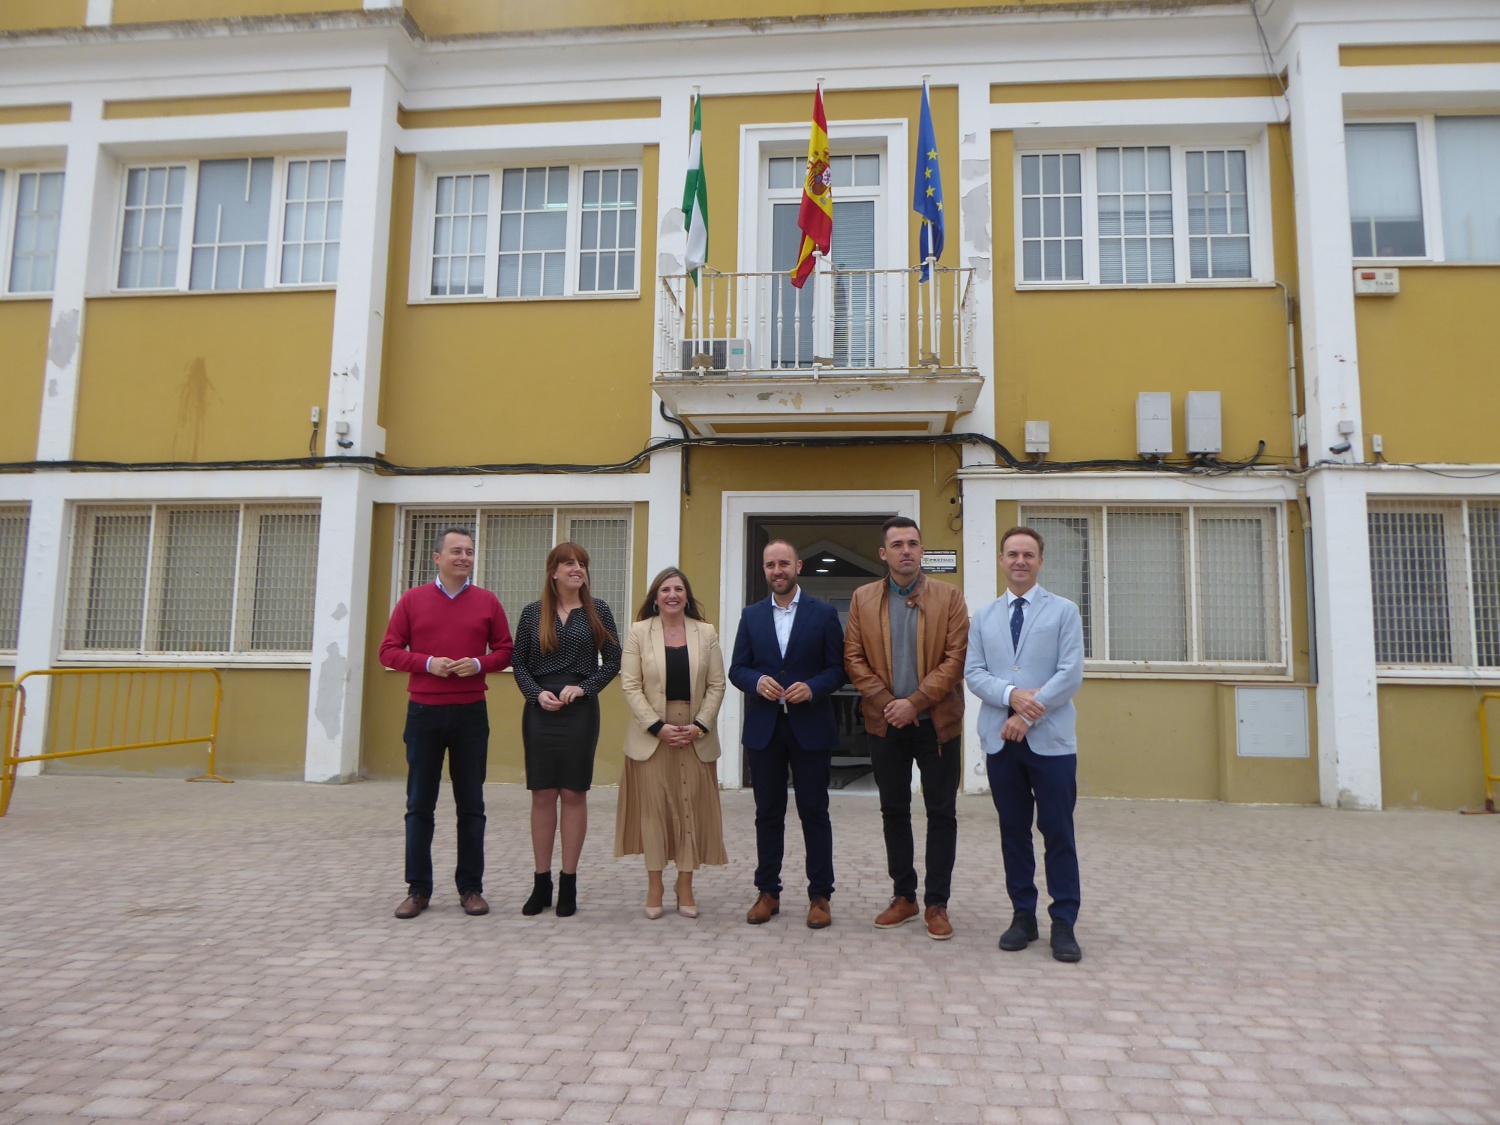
(1370, 282)
(1153, 423)
(1204, 426)
(1038, 437)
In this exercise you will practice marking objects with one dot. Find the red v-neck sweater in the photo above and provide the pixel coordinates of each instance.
(427, 622)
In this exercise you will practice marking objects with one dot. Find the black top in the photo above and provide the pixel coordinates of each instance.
(575, 654)
(679, 675)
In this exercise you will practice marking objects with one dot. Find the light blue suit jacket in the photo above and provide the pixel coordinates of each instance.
(1049, 661)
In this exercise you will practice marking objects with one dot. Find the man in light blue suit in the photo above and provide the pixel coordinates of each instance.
(1025, 662)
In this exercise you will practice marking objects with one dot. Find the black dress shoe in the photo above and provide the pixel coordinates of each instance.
(1064, 944)
(1022, 932)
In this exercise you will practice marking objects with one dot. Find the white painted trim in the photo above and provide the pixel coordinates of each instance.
(99, 13)
(567, 141)
(1239, 118)
(1272, 487)
(736, 508)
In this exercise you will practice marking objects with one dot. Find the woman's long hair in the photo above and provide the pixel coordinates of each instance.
(691, 608)
(567, 551)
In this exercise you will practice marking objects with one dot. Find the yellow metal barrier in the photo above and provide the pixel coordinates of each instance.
(1484, 745)
(103, 710)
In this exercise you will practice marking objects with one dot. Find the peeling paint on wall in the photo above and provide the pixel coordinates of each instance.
(976, 216)
(333, 675)
(981, 268)
(340, 612)
(62, 344)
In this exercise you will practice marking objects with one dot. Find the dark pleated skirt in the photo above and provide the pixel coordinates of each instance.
(560, 744)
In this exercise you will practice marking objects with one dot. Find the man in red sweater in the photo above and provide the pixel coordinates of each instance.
(447, 634)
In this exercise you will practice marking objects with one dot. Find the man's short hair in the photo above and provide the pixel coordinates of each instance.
(1041, 547)
(442, 536)
(898, 521)
(780, 543)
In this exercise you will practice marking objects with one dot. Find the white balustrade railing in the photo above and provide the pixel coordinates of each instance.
(884, 322)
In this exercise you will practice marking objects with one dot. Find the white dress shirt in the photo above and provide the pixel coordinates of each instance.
(1010, 601)
(783, 619)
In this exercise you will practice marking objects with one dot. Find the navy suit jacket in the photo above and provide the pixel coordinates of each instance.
(814, 656)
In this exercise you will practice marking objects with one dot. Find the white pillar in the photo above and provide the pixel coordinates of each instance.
(664, 530)
(82, 188)
(1348, 718)
(981, 577)
(1330, 351)
(335, 693)
(100, 13)
(43, 597)
(967, 215)
(359, 302)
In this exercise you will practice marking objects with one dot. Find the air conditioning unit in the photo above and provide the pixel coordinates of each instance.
(716, 355)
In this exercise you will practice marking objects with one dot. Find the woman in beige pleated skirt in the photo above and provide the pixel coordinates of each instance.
(672, 673)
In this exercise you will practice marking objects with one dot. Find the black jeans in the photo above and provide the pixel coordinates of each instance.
(811, 770)
(941, 768)
(463, 730)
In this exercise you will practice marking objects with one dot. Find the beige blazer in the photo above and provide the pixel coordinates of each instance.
(643, 677)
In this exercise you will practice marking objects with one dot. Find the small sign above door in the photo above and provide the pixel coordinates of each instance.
(940, 562)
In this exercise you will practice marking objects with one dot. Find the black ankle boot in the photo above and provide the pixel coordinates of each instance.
(567, 894)
(541, 894)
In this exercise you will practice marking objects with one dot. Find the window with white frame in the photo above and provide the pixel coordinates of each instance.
(1435, 581)
(1139, 215)
(553, 230)
(1427, 187)
(511, 546)
(1169, 586)
(15, 521)
(248, 223)
(32, 202)
(202, 579)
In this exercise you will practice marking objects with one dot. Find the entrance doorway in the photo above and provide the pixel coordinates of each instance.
(839, 554)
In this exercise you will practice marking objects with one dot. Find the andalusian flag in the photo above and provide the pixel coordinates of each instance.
(815, 218)
(695, 197)
(927, 193)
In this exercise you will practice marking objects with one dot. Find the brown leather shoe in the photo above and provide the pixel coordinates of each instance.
(819, 917)
(765, 906)
(473, 903)
(938, 926)
(900, 911)
(413, 906)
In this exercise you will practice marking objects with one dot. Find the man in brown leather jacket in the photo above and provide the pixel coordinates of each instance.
(904, 649)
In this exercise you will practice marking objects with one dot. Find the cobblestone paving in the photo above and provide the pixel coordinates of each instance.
(209, 954)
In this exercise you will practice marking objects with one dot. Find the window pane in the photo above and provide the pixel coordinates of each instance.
(282, 576)
(38, 210)
(782, 172)
(1135, 198)
(1409, 576)
(1218, 205)
(107, 594)
(1146, 554)
(233, 217)
(1069, 565)
(607, 540)
(1235, 579)
(1385, 195)
(1484, 553)
(1469, 180)
(512, 557)
(460, 222)
(150, 231)
(313, 218)
(1052, 211)
(14, 522)
(197, 580)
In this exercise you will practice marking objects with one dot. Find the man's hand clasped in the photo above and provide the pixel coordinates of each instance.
(1026, 709)
(770, 689)
(463, 667)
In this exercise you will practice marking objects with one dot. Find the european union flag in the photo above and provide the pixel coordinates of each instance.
(927, 194)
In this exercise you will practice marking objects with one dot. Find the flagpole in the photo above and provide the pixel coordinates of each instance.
(933, 327)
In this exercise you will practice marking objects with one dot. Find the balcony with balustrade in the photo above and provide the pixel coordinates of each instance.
(854, 351)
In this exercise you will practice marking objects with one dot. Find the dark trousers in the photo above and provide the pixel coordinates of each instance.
(1023, 782)
(811, 770)
(941, 768)
(463, 730)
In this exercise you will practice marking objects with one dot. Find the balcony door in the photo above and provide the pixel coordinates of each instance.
(857, 197)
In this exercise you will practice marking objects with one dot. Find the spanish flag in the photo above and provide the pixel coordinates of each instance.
(816, 215)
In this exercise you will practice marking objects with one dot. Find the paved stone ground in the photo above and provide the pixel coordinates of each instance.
(208, 953)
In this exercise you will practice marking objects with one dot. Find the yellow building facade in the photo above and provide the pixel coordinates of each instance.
(287, 285)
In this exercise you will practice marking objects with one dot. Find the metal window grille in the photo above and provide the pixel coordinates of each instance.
(231, 224)
(152, 226)
(14, 525)
(459, 226)
(533, 231)
(1135, 215)
(38, 211)
(1052, 216)
(192, 579)
(312, 222)
(609, 220)
(1435, 581)
(1182, 585)
(1218, 213)
(511, 547)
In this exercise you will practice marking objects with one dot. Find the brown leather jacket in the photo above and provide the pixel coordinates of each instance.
(942, 644)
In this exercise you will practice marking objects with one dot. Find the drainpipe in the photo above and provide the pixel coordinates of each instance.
(1303, 508)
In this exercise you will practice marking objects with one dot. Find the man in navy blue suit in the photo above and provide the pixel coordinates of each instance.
(789, 660)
